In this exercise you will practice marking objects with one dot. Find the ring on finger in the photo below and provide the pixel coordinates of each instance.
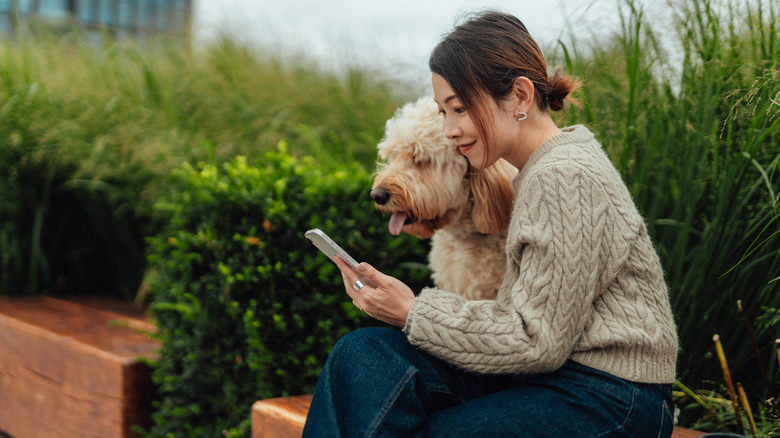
(357, 285)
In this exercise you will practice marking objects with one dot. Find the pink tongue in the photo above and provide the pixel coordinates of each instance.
(396, 223)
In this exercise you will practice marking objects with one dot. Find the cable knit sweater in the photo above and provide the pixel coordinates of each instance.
(583, 280)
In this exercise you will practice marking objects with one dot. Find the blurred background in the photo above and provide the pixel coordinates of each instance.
(398, 36)
(170, 153)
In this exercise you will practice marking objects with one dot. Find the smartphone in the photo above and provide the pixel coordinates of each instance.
(332, 249)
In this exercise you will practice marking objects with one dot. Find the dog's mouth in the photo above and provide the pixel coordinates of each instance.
(397, 221)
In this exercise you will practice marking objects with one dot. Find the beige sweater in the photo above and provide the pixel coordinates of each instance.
(583, 280)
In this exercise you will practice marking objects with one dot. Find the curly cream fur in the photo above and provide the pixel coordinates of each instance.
(465, 213)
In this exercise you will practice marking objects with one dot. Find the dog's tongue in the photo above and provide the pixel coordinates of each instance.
(396, 223)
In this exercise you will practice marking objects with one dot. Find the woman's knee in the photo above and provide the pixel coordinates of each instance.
(365, 346)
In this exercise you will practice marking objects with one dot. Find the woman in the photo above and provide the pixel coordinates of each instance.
(580, 341)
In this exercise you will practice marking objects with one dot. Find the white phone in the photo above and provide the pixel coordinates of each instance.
(332, 249)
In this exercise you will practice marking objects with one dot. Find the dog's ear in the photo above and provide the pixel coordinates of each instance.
(493, 196)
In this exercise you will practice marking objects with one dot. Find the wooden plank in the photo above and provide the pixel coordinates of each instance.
(282, 417)
(71, 370)
(681, 432)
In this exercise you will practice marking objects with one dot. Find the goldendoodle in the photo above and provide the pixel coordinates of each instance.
(430, 191)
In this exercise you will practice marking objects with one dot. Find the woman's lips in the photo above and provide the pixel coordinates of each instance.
(465, 147)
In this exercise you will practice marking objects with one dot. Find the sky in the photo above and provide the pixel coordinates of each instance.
(394, 35)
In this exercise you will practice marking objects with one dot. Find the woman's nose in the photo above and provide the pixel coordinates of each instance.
(451, 128)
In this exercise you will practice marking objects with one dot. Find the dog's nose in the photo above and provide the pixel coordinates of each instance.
(380, 195)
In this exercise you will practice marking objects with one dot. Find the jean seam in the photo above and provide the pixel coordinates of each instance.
(630, 412)
(664, 413)
(631, 409)
(440, 387)
(386, 407)
(444, 389)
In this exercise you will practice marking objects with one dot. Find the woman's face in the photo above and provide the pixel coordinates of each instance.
(459, 126)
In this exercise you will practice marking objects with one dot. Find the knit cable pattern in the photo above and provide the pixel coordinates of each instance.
(583, 280)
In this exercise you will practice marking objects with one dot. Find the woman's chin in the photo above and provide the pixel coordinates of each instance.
(477, 164)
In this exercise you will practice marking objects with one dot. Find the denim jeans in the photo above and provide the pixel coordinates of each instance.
(376, 384)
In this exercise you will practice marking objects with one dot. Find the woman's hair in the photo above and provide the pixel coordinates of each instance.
(484, 55)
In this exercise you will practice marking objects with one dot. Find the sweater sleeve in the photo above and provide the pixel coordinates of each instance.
(562, 246)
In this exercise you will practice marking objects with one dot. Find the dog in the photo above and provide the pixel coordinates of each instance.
(430, 190)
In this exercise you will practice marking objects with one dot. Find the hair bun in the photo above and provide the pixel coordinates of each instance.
(559, 86)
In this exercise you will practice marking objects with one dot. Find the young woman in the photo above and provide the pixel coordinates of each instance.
(580, 341)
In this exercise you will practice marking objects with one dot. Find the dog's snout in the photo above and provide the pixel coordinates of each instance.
(380, 195)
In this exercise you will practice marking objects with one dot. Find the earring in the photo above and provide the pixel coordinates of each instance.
(521, 115)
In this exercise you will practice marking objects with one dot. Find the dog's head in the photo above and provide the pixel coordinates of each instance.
(425, 183)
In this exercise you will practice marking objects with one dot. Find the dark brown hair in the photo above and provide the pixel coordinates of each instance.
(484, 55)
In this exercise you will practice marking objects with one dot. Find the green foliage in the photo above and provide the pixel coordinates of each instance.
(718, 412)
(89, 132)
(247, 307)
(56, 224)
(696, 137)
(692, 120)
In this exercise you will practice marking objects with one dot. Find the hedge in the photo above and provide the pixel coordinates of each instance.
(246, 306)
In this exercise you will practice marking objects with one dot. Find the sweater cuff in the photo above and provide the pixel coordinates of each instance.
(413, 311)
(420, 303)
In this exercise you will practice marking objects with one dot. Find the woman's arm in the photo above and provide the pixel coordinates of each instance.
(562, 244)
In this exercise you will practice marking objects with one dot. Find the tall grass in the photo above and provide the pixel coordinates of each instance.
(693, 122)
(89, 133)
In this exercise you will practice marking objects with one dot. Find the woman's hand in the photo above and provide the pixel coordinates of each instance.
(389, 302)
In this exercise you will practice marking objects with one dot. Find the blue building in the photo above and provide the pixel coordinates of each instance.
(136, 17)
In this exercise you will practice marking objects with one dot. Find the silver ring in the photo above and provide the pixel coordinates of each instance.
(358, 285)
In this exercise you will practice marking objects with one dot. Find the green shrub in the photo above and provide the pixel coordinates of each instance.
(89, 133)
(247, 307)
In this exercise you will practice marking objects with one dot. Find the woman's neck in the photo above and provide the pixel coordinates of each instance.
(532, 134)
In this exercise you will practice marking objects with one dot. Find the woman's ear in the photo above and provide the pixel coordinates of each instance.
(523, 90)
(493, 197)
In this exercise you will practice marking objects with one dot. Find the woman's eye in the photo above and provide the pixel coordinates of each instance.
(459, 110)
(442, 113)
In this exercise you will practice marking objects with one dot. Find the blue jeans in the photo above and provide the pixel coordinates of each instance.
(375, 383)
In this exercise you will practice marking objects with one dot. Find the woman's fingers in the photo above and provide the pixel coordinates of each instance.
(350, 283)
(384, 298)
(390, 303)
(370, 273)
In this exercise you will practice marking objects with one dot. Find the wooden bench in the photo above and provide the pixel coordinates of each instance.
(71, 368)
(280, 417)
(284, 417)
